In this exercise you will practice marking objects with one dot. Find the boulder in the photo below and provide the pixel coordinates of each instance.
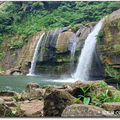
(32, 108)
(56, 102)
(32, 92)
(5, 111)
(8, 93)
(114, 90)
(95, 87)
(114, 106)
(16, 73)
(81, 110)
(49, 88)
(62, 43)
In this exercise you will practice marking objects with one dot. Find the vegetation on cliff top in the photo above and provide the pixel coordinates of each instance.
(23, 18)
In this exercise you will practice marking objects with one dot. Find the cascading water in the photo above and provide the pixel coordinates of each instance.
(34, 60)
(73, 48)
(85, 59)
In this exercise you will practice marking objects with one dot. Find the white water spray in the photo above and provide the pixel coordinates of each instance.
(85, 59)
(34, 60)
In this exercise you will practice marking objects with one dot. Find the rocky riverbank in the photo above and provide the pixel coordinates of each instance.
(59, 101)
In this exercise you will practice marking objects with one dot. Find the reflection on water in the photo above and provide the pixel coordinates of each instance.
(18, 83)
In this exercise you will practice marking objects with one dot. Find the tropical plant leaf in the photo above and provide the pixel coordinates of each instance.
(82, 89)
(86, 100)
(77, 100)
(14, 111)
(81, 96)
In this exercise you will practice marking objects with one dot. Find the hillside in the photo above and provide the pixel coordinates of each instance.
(24, 18)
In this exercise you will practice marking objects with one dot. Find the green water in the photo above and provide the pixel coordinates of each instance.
(18, 83)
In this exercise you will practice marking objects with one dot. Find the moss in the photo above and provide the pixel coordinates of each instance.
(100, 36)
(117, 49)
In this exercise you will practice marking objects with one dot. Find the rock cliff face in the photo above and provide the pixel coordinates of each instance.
(54, 52)
(109, 45)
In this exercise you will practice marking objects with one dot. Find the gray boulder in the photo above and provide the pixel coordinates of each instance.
(57, 101)
(32, 92)
(81, 110)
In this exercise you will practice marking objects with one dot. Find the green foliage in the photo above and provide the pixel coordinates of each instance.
(105, 97)
(112, 72)
(16, 45)
(117, 49)
(103, 85)
(0, 69)
(28, 17)
(118, 25)
(100, 36)
(20, 62)
(101, 98)
(113, 6)
(2, 55)
(1, 38)
(14, 111)
(74, 28)
(86, 99)
(118, 87)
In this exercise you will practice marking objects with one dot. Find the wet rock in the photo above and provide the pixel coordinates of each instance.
(111, 106)
(32, 92)
(16, 73)
(81, 110)
(5, 111)
(56, 102)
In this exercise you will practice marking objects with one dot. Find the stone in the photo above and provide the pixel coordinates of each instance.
(2, 72)
(49, 88)
(16, 73)
(5, 111)
(8, 93)
(63, 41)
(8, 72)
(81, 110)
(94, 87)
(114, 106)
(32, 108)
(114, 90)
(56, 102)
(32, 92)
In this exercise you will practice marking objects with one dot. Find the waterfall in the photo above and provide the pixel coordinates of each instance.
(34, 60)
(85, 59)
(72, 49)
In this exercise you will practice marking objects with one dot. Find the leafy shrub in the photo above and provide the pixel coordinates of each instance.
(112, 72)
(16, 45)
(100, 36)
(2, 55)
(85, 97)
(1, 38)
(20, 62)
(117, 49)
